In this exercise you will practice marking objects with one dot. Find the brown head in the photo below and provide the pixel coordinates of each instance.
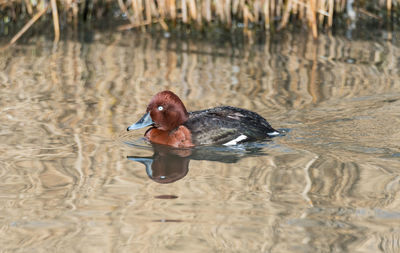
(167, 111)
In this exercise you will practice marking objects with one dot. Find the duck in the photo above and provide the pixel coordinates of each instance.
(172, 125)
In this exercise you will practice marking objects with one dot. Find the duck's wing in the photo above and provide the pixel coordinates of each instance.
(227, 125)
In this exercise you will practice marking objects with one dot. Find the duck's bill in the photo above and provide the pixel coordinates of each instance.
(143, 122)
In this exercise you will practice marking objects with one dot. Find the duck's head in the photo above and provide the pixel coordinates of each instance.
(165, 112)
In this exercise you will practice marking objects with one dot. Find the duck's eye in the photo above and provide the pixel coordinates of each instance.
(160, 108)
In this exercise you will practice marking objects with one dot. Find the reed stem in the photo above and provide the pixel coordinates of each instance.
(246, 13)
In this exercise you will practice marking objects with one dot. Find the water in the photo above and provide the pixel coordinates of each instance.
(73, 180)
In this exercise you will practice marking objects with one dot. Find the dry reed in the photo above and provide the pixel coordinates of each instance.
(140, 13)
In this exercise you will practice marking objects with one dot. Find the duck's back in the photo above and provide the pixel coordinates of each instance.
(227, 125)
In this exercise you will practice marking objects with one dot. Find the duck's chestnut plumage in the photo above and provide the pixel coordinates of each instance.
(172, 125)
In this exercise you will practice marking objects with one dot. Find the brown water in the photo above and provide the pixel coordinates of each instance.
(331, 184)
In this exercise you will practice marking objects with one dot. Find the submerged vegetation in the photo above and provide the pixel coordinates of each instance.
(265, 14)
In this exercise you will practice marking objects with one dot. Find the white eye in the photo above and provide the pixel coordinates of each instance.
(160, 108)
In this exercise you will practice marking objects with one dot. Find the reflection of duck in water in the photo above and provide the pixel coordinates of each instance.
(172, 125)
(168, 165)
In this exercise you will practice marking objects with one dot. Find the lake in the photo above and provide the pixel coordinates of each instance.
(72, 179)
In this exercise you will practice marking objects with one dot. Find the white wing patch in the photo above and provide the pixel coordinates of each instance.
(273, 133)
(235, 141)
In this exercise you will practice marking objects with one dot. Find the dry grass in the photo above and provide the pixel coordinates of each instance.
(140, 13)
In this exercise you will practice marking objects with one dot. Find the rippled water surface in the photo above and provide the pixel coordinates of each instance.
(73, 180)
